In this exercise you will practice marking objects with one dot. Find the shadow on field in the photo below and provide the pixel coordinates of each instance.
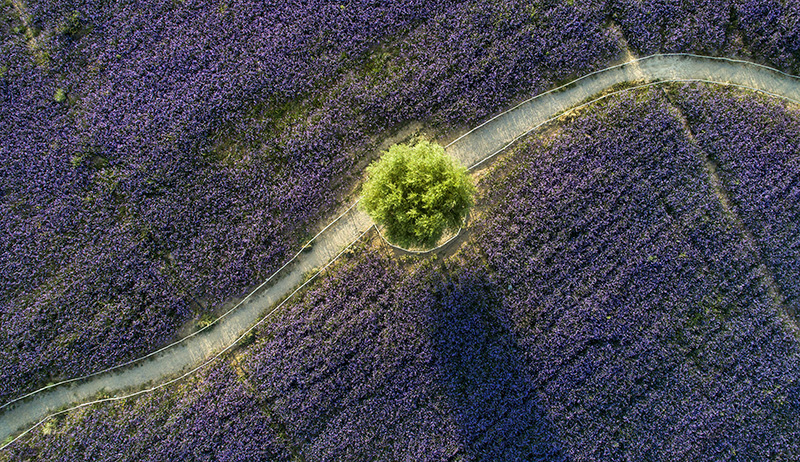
(495, 408)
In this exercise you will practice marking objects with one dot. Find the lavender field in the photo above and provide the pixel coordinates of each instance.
(160, 158)
(756, 145)
(669, 346)
(604, 306)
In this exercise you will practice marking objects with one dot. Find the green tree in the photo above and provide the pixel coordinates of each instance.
(416, 192)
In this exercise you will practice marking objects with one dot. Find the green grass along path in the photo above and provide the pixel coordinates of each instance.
(189, 354)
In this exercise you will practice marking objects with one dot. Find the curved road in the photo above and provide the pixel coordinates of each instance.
(182, 358)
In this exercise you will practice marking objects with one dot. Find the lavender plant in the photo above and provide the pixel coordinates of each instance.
(754, 144)
(763, 30)
(198, 144)
(159, 159)
(605, 308)
(649, 327)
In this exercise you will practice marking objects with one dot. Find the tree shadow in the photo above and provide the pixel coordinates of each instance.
(482, 372)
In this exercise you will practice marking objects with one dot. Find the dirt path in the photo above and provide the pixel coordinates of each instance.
(31, 37)
(476, 146)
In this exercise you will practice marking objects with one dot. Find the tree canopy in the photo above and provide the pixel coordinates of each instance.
(417, 192)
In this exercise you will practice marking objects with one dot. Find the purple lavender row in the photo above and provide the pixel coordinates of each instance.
(760, 30)
(150, 171)
(647, 327)
(605, 308)
(755, 143)
(195, 146)
(220, 419)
